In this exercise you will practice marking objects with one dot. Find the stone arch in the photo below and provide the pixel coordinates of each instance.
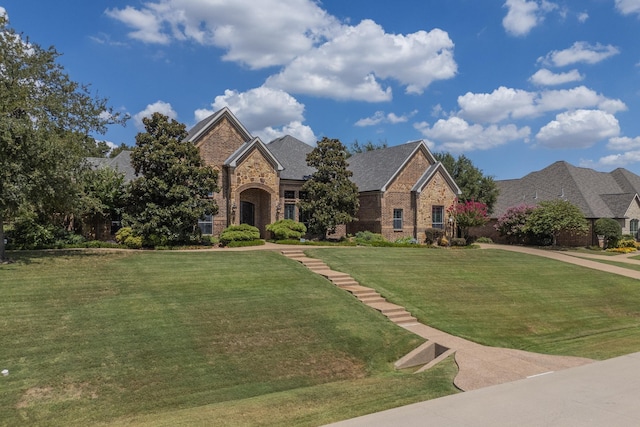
(256, 205)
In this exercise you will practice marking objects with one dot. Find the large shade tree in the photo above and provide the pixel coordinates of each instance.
(472, 182)
(553, 217)
(45, 121)
(173, 187)
(332, 197)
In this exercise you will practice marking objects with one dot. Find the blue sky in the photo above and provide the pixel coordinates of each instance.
(514, 85)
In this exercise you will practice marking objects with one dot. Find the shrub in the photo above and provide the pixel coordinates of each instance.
(242, 232)
(443, 241)
(459, 241)
(433, 235)
(243, 243)
(408, 240)
(610, 229)
(369, 238)
(126, 237)
(627, 243)
(623, 250)
(484, 240)
(29, 234)
(287, 229)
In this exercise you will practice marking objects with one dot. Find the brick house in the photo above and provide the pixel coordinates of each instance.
(403, 189)
(597, 194)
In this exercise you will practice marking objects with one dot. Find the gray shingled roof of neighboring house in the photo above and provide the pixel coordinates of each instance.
(292, 155)
(121, 162)
(372, 170)
(597, 194)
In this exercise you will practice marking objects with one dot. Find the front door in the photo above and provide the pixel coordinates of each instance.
(247, 213)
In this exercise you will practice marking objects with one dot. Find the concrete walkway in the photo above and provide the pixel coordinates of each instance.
(600, 394)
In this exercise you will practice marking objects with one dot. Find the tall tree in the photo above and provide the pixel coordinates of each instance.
(45, 119)
(356, 147)
(332, 197)
(553, 217)
(472, 182)
(173, 186)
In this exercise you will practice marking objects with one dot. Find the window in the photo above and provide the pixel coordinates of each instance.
(206, 224)
(303, 217)
(437, 217)
(397, 219)
(303, 195)
(633, 227)
(289, 211)
(288, 194)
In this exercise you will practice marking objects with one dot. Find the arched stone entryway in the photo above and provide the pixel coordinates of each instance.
(255, 209)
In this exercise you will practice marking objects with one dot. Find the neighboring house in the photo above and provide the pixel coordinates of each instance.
(597, 194)
(403, 189)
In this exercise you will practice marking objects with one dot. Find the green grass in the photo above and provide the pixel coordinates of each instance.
(243, 338)
(504, 299)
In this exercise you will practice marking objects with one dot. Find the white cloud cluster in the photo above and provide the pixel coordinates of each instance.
(523, 15)
(157, 107)
(545, 77)
(380, 117)
(263, 108)
(508, 103)
(580, 52)
(317, 54)
(352, 63)
(457, 135)
(258, 34)
(578, 129)
(627, 7)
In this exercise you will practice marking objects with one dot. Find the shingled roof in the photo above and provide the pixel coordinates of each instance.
(374, 170)
(121, 163)
(292, 155)
(597, 194)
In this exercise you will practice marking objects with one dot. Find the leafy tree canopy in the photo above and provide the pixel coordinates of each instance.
(610, 229)
(332, 196)
(472, 182)
(173, 186)
(45, 120)
(552, 217)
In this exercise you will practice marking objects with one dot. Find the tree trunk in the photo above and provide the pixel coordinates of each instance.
(2, 253)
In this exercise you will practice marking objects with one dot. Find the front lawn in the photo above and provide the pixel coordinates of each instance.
(504, 299)
(235, 338)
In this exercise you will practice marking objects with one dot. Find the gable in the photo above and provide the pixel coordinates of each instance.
(410, 172)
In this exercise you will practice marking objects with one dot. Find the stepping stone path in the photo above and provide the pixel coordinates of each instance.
(397, 314)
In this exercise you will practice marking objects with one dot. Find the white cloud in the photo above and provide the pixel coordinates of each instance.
(582, 17)
(522, 15)
(259, 34)
(380, 117)
(578, 129)
(353, 63)
(457, 135)
(147, 25)
(613, 160)
(157, 107)
(624, 143)
(499, 105)
(580, 52)
(267, 113)
(627, 7)
(504, 103)
(545, 77)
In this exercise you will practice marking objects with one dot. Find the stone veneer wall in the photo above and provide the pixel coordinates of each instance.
(215, 147)
(436, 193)
(256, 172)
(400, 196)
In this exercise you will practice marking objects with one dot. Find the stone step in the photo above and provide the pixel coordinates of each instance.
(371, 299)
(289, 252)
(398, 315)
(360, 290)
(405, 320)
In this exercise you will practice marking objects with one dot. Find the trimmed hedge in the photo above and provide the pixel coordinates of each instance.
(239, 233)
(287, 229)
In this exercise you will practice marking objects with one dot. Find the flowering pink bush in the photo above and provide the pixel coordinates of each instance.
(512, 223)
(469, 214)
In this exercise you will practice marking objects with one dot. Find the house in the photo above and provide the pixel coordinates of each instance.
(403, 189)
(597, 194)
